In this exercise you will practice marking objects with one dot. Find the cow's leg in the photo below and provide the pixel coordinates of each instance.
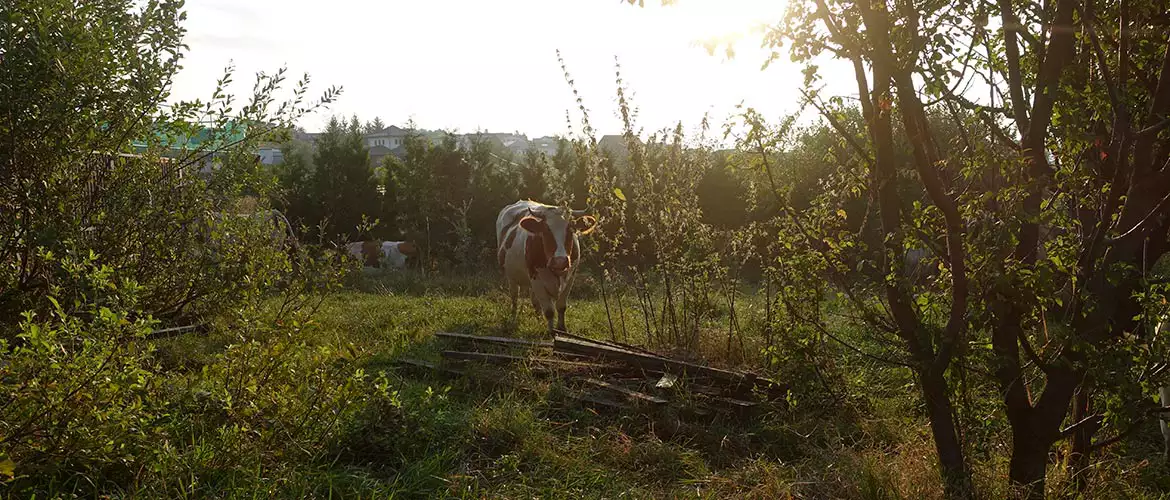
(1164, 396)
(544, 302)
(514, 292)
(563, 302)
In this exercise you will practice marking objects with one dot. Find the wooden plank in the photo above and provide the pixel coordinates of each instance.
(508, 358)
(646, 361)
(586, 398)
(737, 403)
(493, 340)
(415, 363)
(609, 343)
(629, 393)
(705, 390)
(773, 388)
(174, 331)
(572, 355)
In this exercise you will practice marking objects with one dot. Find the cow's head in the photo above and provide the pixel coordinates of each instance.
(408, 248)
(555, 233)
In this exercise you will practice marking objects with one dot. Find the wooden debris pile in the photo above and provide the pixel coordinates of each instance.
(611, 374)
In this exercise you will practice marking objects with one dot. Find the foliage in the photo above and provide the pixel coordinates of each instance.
(447, 194)
(123, 215)
(329, 189)
(1047, 190)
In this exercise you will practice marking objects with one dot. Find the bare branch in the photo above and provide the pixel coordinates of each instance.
(1142, 224)
(1153, 130)
(1090, 421)
(1011, 26)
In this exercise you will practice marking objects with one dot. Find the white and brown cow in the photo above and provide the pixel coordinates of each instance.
(1162, 328)
(538, 248)
(376, 253)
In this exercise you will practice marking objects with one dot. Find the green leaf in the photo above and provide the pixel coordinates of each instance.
(618, 192)
(8, 468)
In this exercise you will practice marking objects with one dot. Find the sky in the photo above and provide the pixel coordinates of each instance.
(484, 65)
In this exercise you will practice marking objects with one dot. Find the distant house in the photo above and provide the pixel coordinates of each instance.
(202, 147)
(516, 143)
(390, 137)
(615, 145)
(547, 145)
(392, 141)
(378, 154)
(309, 137)
(270, 154)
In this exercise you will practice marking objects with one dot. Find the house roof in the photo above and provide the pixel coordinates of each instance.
(306, 136)
(391, 131)
(202, 137)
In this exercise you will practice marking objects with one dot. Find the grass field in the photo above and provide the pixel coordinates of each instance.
(516, 435)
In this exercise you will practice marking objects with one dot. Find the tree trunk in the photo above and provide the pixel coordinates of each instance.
(1082, 439)
(956, 476)
(931, 367)
(1028, 466)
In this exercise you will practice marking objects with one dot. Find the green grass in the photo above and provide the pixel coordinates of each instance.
(519, 436)
(513, 434)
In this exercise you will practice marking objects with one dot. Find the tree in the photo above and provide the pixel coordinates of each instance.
(571, 177)
(1078, 147)
(111, 226)
(296, 195)
(345, 186)
(331, 185)
(373, 126)
(534, 175)
(723, 195)
(90, 162)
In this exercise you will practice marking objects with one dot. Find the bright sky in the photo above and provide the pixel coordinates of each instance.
(491, 65)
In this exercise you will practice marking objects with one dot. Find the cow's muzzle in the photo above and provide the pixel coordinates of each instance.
(559, 265)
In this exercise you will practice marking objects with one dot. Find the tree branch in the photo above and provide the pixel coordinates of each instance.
(840, 128)
(1137, 228)
(1011, 24)
(1090, 421)
(1106, 73)
(1153, 130)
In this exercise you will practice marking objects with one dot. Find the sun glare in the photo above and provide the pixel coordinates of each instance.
(722, 20)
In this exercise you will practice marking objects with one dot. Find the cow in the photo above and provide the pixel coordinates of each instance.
(374, 253)
(1164, 396)
(1164, 402)
(538, 247)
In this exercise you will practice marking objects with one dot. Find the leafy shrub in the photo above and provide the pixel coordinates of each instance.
(130, 216)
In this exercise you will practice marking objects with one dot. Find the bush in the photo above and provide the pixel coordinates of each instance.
(129, 216)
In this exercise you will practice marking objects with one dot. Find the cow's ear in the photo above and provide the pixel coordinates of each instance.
(585, 224)
(532, 224)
